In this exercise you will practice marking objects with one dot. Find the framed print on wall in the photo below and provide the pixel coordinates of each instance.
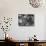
(26, 19)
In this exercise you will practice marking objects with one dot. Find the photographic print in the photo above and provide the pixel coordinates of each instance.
(25, 19)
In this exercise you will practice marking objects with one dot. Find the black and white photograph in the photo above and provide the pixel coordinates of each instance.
(26, 19)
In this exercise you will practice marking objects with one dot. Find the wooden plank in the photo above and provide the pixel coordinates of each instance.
(25, 44)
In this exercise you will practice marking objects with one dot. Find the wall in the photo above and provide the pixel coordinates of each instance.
(11, 8)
